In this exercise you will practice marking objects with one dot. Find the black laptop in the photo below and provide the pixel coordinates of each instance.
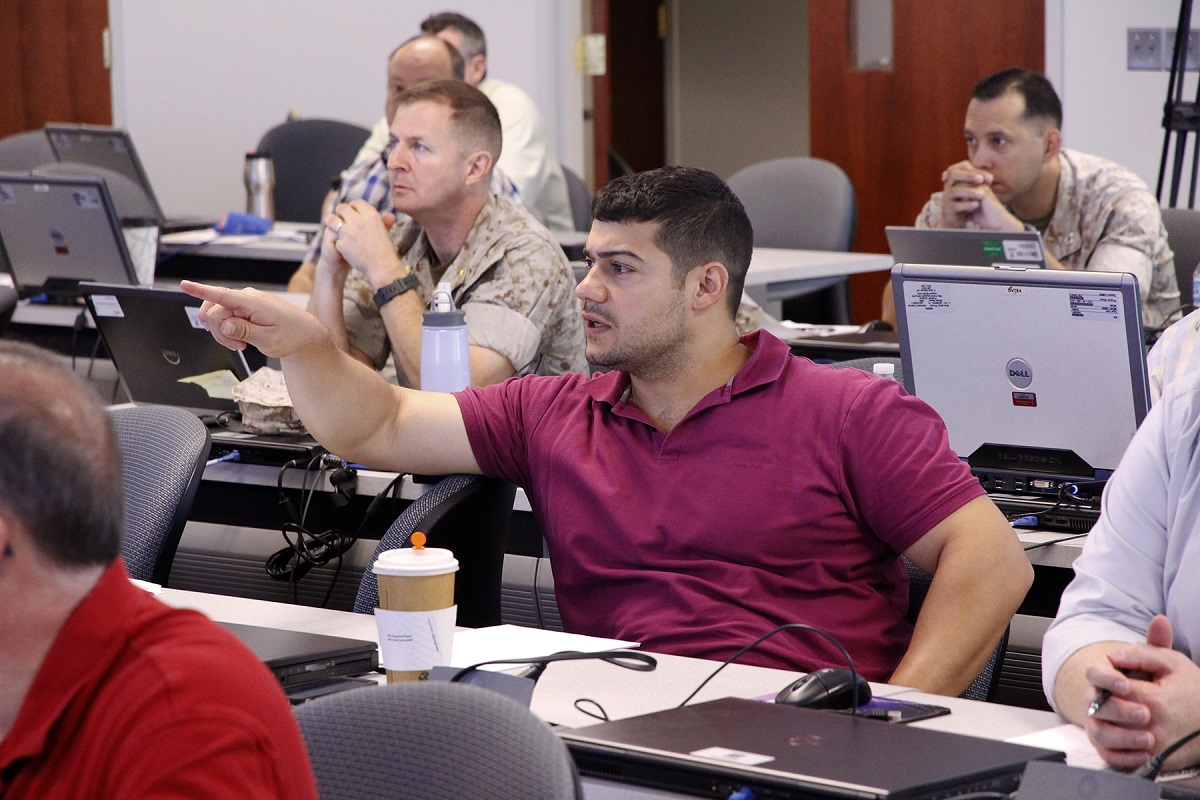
(297, 658)
(112, 148)
(58, 231)
(787, 753)
(164, 356)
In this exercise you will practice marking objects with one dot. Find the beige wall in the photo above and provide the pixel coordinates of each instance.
(737, 82)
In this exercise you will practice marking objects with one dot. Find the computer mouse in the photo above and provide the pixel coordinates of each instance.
(831, 687)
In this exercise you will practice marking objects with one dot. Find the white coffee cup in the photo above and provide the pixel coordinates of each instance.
(416, 614)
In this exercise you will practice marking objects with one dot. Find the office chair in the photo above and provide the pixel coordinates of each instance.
(129, 198)
(433, 739)
(22, 152)
(581, 200)
(1183, 235)
(308, 155)
(806, 204)
(163, 451)
(985, 683)
(469, 516)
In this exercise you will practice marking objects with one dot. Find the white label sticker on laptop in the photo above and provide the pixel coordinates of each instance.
(733, 756)
(1021, 250)
(107, 305)
(193, 313)
(86, 198)
(1096, 305)
(925, 297)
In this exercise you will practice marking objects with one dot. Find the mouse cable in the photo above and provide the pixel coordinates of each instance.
(1152, 767)
(796, 626)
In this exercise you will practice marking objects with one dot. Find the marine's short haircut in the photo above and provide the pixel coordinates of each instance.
(60, 471)
(474, 42)
(699, 219)
(476, 121)
(1041, 101)
(458, 66)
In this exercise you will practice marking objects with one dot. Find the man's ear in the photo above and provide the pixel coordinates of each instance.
(712, 282)
(479, 167)
(1053, 143)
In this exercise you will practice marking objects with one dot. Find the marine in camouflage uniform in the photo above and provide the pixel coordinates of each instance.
(1105, 220)
(510, 277)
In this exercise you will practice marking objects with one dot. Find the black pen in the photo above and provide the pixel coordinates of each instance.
(1101, 698)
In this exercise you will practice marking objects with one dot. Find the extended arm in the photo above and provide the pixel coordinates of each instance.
(345, 404)
(980, 576)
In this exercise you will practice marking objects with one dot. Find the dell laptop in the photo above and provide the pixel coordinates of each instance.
(298, 658)
(1039, 375)
(715, 749)
(58, 231)
(112, 148)
(965, 247)
(164, 356)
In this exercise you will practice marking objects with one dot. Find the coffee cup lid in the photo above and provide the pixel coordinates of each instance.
(413, 562)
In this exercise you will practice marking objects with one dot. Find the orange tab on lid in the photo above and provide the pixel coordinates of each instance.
(418, 540)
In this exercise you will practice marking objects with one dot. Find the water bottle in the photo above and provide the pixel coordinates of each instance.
(884, 370)
(259, 176)
(445, 361)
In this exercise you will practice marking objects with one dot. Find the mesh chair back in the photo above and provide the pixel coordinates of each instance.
(22, 152)
(985, 683)
(307, 156)
(163, 451)
(1183, 235)
(581, 200)
(469, 516)
(433, 739)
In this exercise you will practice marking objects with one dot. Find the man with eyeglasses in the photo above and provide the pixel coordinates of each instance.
(376, 273)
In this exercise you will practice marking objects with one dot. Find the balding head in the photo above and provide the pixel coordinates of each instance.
(422, 58)
(60, 474)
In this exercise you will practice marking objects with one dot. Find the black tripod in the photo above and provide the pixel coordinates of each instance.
(1180, 117)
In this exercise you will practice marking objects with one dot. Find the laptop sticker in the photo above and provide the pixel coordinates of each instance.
(1095, 305)
(925, 297)
(193, 315)
(218, 384)
(107, 305)
(732, 756)
(86, 198)
(1022, 250)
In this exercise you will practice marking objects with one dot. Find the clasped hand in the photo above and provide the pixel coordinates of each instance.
(967, 196)
(1155, 704)
(357, 236)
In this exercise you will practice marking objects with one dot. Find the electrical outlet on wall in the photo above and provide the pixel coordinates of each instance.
(1144, 49)
(1193, 49)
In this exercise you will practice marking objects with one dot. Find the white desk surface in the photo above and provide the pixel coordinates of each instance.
(622, 693)
(771, 265)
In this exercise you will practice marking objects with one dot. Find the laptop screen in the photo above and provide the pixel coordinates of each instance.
(969, 248)
(1039, 371)
(57, 231)
(162, 353)
(97, 146)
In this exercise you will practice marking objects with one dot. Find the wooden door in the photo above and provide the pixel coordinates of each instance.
(894, 131)
(52, 63)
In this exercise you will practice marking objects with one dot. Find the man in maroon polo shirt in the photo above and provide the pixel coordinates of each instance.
(709, 487)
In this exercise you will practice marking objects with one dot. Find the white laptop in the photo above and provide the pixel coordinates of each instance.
(58, 231)
(1040, 375)
(112, 148)
(969, 248)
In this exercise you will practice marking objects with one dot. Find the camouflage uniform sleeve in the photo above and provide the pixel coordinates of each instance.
(931, 213)
(527, 308)
(364, 325)
(1134, 241)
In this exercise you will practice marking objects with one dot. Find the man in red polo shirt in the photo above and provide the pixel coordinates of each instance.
(709, 487)
(104, 691)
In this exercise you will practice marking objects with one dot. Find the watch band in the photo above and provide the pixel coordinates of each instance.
(395, 289)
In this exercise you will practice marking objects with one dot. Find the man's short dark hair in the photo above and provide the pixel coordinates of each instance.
(1041, 101)
(474, 42)
(699, 219)
(458, 66)
(476, 121)
(60, 472)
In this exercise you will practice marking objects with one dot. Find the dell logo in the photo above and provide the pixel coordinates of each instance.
(171, 357)
(1020, 374)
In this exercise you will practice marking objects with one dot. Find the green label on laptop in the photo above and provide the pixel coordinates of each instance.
(993, 249)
